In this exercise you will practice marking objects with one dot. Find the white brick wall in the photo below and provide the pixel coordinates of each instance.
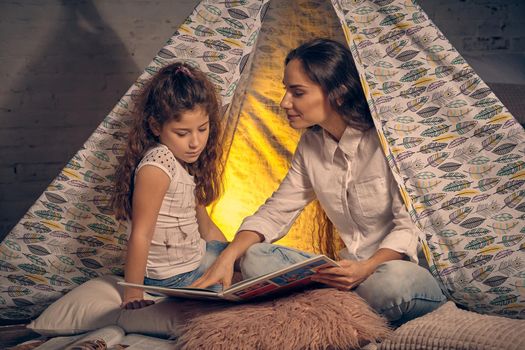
(64, 64)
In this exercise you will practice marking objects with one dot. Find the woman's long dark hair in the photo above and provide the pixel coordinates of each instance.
(175, 89)
(330, 64)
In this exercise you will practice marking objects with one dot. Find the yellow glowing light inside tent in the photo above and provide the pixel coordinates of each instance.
(258, 160)
(263, 142)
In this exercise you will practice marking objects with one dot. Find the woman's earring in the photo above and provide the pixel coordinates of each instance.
(343, 91)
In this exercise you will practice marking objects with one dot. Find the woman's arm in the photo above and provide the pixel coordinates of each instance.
(207, 228)
(271, 221)
(151, 185)
(403, 238)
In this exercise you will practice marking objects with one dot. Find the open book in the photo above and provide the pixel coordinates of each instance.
(110, 338)
(293, 276)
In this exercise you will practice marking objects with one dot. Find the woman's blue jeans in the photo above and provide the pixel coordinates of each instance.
(399, 290)
(213, 250)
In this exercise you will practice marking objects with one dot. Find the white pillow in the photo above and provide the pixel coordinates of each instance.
(89, 306)
(96, 304)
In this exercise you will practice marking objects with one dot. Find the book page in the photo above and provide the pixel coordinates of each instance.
(183, 292)
(293, 276)
(289, 277)
(143, 342)
(110, 335)
(59, 342)
(98, 339)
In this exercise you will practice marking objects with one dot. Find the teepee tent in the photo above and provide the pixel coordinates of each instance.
(454, 149)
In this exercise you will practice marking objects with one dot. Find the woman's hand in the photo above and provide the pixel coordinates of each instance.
(222, 269)
(352, 273)
(221, 272)
(348, 276)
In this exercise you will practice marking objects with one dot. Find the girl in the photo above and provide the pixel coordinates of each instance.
(170, 171)
(338, 161)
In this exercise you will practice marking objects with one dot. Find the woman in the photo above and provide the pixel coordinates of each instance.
(339, 162)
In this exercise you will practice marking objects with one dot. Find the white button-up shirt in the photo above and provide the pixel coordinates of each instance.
(352, 181)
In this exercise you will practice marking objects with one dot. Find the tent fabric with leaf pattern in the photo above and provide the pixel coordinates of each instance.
(454, 149)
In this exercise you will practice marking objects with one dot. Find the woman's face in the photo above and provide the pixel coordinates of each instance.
(304, 101)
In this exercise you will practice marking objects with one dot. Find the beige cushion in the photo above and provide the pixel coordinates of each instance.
(96, 304)
(450, 328)
(93, 305)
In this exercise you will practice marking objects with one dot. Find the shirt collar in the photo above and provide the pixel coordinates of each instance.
(347, 144)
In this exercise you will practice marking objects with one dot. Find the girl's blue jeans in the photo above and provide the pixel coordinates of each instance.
(399, 290)
(213, 250)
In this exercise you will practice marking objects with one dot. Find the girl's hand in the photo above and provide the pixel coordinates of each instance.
(221, 271)
(136, 304)
(347, 277)
(134, 299)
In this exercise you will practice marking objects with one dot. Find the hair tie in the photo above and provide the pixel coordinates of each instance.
(183, 70)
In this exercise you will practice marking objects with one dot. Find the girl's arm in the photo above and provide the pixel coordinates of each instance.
(207, 228)
(151, 184)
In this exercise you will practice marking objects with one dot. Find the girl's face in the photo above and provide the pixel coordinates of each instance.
(304, 101)
(186, 138)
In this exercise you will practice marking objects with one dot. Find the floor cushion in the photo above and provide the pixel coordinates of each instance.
(313, 319)
(450, 328)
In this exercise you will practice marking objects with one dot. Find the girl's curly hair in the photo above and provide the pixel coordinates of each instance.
(175, 89)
